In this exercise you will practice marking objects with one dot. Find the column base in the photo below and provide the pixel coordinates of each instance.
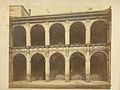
(29, 78)
(11, 80)
(67, 79)
(87, 79)
(47, 78)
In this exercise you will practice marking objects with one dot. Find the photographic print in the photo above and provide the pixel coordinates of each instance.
(60, 46)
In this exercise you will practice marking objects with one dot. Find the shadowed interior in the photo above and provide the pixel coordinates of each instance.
(38, 67)
(98, 66)
(57, 66)
(77, 66)
(19, 67)
(19, 36)
(57, 34)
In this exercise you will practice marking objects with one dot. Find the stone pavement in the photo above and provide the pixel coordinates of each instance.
(61, 84)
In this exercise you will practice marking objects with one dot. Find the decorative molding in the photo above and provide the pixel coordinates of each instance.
(61, 17)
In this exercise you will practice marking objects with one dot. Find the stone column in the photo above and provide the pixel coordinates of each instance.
(47, 70)
(87, 25)
(67, 33)
(67, 70)
(28, 38)
(108, 75)
(28, 67)
(87, 66)
(11, 37)
(109, 67)
(47, 35)
(108, 31)
(11, 76)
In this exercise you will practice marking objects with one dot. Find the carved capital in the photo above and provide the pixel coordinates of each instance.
(87, 20)
(46, 23)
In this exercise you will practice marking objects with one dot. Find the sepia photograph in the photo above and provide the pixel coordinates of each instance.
(70, 49)
(52, 44)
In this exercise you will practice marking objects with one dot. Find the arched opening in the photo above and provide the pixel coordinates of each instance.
(19, 36)
(77, 66)
(38, 67)
(57, 67)
(77, 33)
(19, 67)
(57, 34)
(37, 35)
(98, 66)
(99, 32)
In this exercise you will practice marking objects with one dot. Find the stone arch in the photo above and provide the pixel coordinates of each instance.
(99, 31)
(16, 53)
(71, 53)
(37, 35)
(53, 52)
(98, 66)
(36, 52)
(19, 36)
(101, 51)
(38, 67)
(57, 66)
(19, 67)
(77, 66)
(77, 33)
(57, 34)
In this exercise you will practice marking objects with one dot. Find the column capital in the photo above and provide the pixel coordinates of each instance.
(87, 20)
(67, 21)
(67, 25)
(27, 23)
(29, 61)
(11, 60)
(46, 23)
(67, 61)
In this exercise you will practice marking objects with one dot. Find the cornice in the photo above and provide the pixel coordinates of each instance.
(61, 17)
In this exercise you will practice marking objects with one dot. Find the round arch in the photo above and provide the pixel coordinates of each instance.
(99, 31)
(77, 33)
(38, 67)
(76, 52)
(19, 67)
(57, 34)
(98, 66)
(77, 66)
(105, 53)
(37, 35)
(57, 66)
(19, 36)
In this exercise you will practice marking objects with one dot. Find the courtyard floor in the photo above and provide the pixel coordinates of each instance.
(61, 84)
